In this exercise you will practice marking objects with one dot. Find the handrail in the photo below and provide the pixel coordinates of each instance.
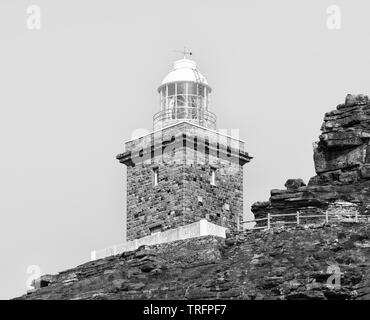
(313, 216)
(194, 114)
(298, 215)
(283, 215)
(285, 222)
(254, 220)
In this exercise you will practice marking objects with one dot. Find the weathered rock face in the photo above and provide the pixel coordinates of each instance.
(292, 263)
(342, 164)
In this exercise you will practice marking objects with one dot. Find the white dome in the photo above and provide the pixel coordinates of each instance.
(184, 70)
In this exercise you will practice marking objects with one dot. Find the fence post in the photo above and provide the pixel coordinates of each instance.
(326, 216)
(93, 255)
(268, 221)
(297, 217)
(356, 216)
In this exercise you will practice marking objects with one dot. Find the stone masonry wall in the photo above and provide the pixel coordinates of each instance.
(184, 193)
(221, 204)
(149, 206)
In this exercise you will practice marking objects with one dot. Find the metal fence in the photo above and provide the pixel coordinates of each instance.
(301, 219)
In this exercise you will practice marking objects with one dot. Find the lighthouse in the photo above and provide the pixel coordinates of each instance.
(185, 170)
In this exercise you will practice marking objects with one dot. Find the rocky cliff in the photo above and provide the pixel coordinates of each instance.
(279, 263)
(290, 263)
(342, 165)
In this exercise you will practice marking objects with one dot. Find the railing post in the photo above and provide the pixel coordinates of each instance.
(93, 255)
(297, 217)
(326, 216)
(356, 216)
(268, 221)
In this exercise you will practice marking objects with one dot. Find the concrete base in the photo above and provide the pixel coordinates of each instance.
(193, 230)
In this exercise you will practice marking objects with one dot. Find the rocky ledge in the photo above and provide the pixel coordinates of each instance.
(285, 263)
(342, 165)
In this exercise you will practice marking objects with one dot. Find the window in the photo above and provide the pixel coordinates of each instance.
(181, 99)
(192, 101)
(201, 90)
(206, 98)
(164, 92)
(213, 176)
(228, 152)
(171, 89)
(192, 88)
(207, 146)
(155, 176)
(181, 87)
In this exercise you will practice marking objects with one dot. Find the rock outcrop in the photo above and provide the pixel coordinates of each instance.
(329, 261)
(316, 261)
(342, 165)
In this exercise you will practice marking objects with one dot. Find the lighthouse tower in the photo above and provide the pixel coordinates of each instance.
(185, 170)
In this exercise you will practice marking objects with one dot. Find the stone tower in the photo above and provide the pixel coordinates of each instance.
(184, 170)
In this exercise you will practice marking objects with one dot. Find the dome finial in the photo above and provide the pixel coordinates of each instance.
(184, 52)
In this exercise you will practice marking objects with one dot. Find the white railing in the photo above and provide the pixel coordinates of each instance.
(191, 114)
(196, 229)
(299, 217)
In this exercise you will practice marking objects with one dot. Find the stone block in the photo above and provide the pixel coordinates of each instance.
(294, 184)
(365, 171)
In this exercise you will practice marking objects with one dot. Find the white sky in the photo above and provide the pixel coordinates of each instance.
(72, 92)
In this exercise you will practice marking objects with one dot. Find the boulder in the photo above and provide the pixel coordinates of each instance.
(356, 99)
(294, 184)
